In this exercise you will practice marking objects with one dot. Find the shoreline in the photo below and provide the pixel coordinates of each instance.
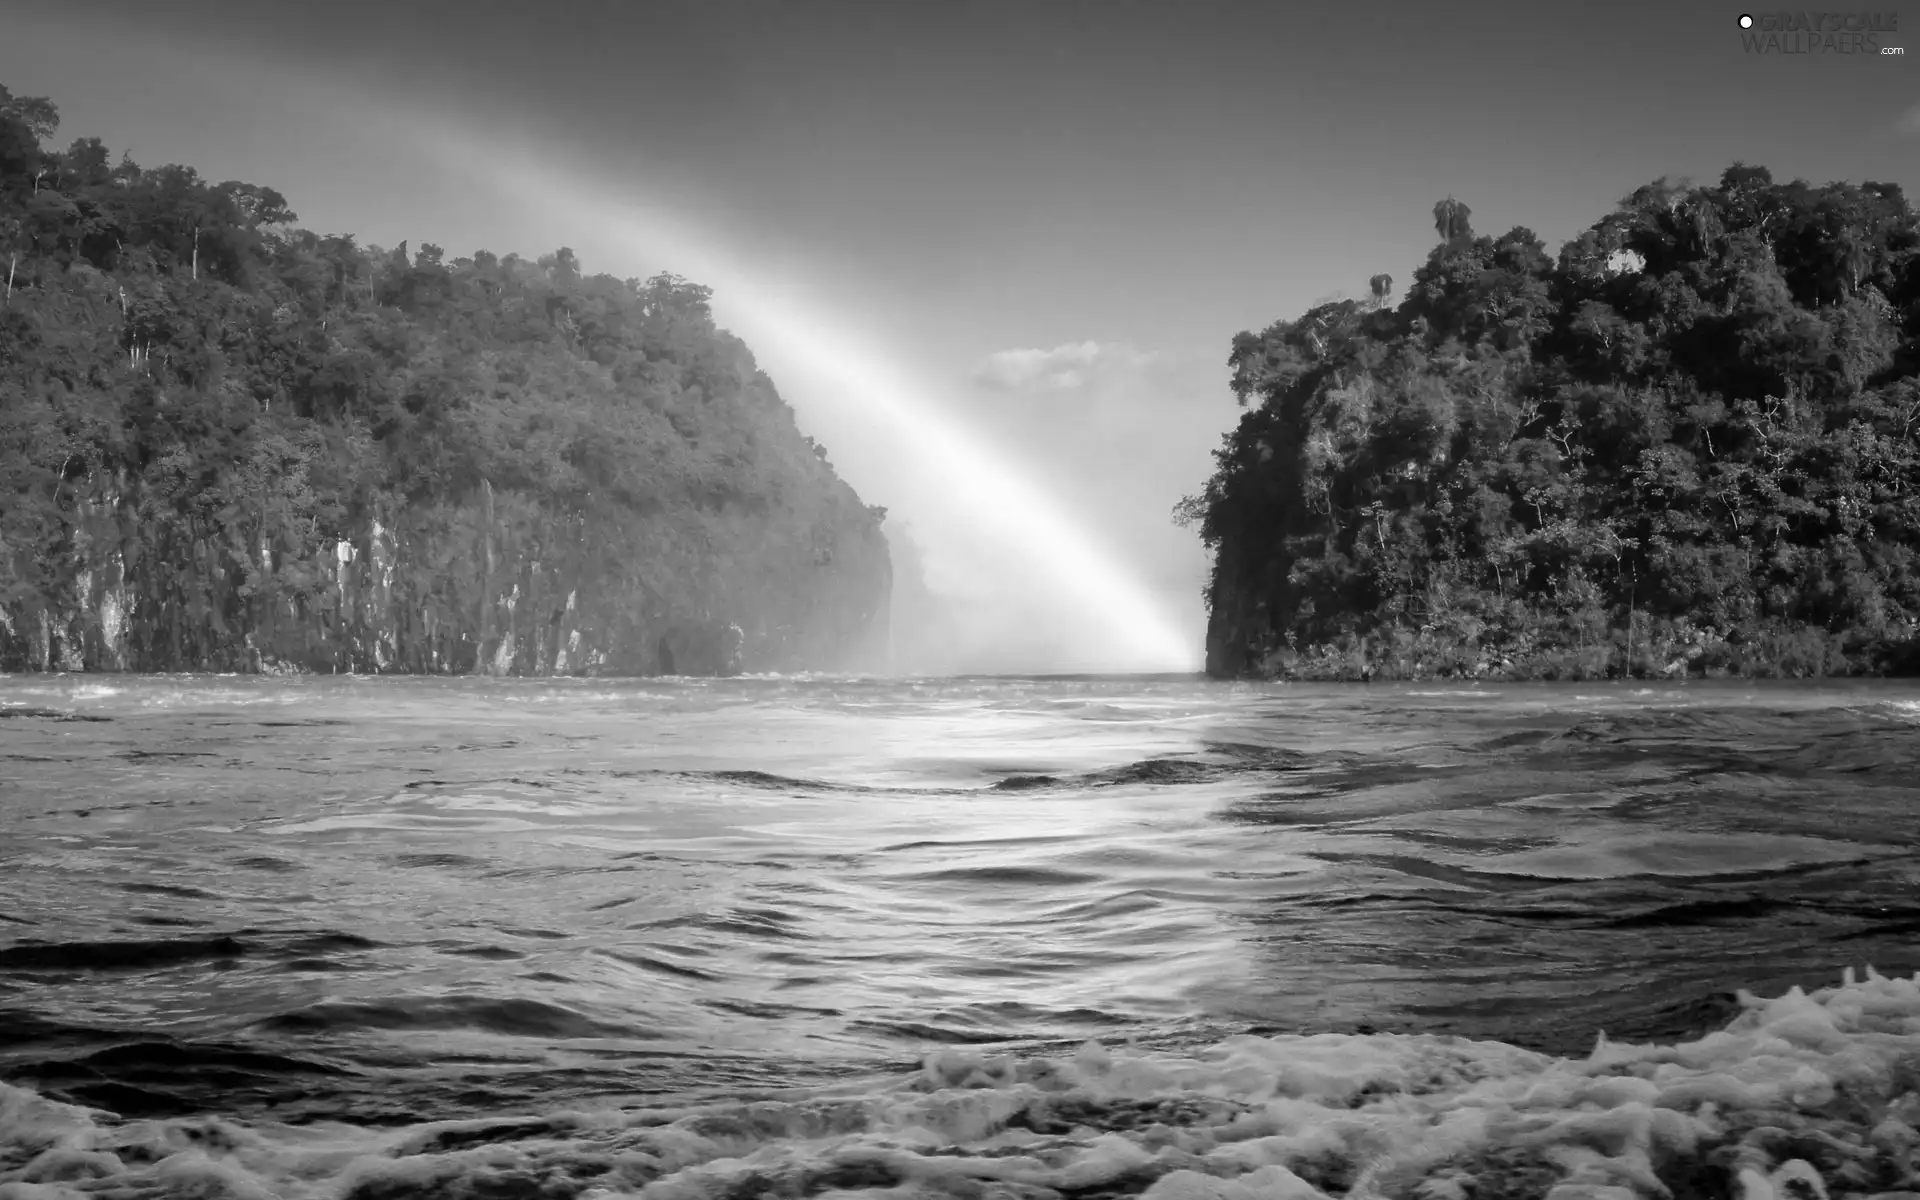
(1653, 650)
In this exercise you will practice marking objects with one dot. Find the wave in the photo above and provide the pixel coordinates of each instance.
(1224, 760)
(141, 954)
(46, 714)
(512, 1015)
(1802, 1094)
(118, 955)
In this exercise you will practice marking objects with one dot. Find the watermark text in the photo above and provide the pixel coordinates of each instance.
(1810, 32)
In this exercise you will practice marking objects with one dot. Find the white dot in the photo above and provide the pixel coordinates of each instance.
(1746, 22)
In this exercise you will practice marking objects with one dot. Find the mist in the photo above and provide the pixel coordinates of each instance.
(953, 613)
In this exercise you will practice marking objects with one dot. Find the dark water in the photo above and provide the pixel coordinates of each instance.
(373, 902)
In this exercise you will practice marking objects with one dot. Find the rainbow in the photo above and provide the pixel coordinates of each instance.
(1119, 624)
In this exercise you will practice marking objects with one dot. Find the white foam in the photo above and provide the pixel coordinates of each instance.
(1908, 710)
(1802, 1095)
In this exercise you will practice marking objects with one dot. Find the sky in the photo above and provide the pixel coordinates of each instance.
(994, 254)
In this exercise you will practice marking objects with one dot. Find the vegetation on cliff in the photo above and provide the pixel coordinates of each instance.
(227, 443)
(1691, 443)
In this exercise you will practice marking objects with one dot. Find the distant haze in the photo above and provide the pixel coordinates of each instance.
(1048, 219)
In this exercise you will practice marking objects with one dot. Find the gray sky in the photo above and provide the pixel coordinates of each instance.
(1030, 228)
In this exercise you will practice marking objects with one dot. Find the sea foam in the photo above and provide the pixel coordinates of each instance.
(1803, 1095)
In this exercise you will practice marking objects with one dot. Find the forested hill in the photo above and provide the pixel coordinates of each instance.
(230, 444)
(1685, 445)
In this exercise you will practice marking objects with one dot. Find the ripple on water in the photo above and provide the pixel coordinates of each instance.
(469, 895)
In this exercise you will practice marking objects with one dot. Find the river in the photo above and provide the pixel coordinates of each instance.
(361, 937)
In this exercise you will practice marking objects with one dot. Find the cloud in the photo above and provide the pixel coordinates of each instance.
(1062, 368)
(1910, 120)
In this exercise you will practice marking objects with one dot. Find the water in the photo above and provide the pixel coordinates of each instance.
(329, 936)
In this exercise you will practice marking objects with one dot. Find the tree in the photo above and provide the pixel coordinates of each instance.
(1451, 221)
(36, 113)
(273, 446)
(1697, 421)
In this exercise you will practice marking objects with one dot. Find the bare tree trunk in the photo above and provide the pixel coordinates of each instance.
(196, 254)
(13, 261)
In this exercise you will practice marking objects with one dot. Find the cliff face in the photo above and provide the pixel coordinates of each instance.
(229, 444)
(496, 585)
(1689, 444)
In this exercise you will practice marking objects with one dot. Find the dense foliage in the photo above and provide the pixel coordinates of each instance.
(227, 443)
(1687, 443)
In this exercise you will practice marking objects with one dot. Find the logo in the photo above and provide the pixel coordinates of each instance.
(1806, 32)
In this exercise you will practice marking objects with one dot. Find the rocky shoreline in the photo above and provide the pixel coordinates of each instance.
(1653, 650)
